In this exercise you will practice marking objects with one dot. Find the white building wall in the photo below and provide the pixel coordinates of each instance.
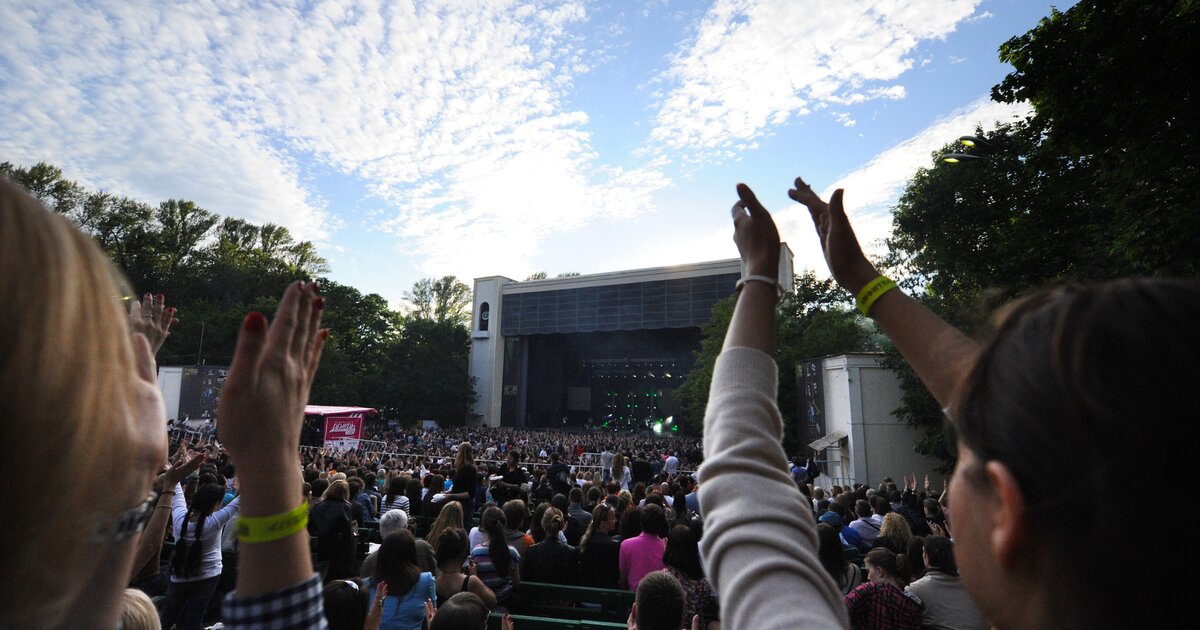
(487, 351)
(860, 396)
(170, 379)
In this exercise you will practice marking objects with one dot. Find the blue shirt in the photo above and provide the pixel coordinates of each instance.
(407, 611)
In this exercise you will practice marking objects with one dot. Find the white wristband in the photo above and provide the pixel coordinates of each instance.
(764, 279)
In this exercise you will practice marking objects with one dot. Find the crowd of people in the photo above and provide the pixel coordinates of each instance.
(1041, 408)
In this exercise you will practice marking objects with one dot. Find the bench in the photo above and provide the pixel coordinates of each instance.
(563, 601)
(527, 622)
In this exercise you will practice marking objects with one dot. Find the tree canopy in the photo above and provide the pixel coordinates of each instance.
(215, 269)
(1098, 183)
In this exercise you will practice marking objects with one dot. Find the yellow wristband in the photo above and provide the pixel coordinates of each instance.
(268, 528)
(872, 292)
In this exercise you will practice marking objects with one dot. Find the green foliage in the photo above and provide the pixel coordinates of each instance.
(428, 370)
(445, 299)
(813, 321)
(216, 269)
(1098, 183)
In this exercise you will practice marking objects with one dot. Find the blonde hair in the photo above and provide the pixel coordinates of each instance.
(464, 456)
(552, 522)
(894, 526)
(138, 612)
(66, 376)
(337, 490)
(451, 517)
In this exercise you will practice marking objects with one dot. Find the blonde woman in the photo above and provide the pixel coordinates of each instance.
(77, 384)
(894, 534)
(451, 517)
(466, 479)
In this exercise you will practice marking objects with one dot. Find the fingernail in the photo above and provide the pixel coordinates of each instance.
(161, 297)
(255, 322)
(316, 286)
(320, 303)
(324, 333)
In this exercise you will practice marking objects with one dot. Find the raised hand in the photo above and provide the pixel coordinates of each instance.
(179, 471)
(755, 233)
(149, 412)
(153, 319)
(506, 623)
(262, 403)
(375, 615)
(842, 252)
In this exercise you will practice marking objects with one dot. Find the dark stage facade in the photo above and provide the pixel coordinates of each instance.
(600, 352)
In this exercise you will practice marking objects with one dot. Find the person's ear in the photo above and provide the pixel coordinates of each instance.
(1010, 525)
(631, 623)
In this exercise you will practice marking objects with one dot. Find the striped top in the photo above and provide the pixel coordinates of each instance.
(486, 571)
(398, 502)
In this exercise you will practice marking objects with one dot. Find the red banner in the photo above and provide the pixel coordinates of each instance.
(343, 432)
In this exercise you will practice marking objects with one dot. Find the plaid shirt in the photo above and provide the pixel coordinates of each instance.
(298, 607)
(881, 605)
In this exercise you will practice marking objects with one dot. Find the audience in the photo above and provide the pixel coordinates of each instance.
(643, 553)
(1037, 407)
(600, 550)
(881, 603)
(946, 603)
(408, 587)
(551, 560)
(452, 552)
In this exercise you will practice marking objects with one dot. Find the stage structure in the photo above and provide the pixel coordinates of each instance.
(602, 351)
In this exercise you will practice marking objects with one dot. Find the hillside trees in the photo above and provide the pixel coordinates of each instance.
(215, 269)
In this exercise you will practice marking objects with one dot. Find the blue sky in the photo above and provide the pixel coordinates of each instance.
(505, 137)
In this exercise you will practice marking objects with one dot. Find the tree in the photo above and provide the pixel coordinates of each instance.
(813, 321)
(428, 372)
(444, 299)
(537, 275)
(1098, 183)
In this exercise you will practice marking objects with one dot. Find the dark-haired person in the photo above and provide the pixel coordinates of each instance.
(660, 603)
(881, 603)
(496, 562)
(396, 497)
(833, 558)
(196, 562)
(508, 487)
(600, 550)
(466, 611)
(346, 604)
(681, 558)
(643, 553)
(407, 586)
(452, 551)
(947, 605)
(864, 526)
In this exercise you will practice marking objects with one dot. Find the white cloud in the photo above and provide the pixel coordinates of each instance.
(453, 112)
(873, 189)
(754, 65)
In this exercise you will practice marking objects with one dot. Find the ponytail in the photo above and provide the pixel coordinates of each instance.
(185, 561)
(492, 522)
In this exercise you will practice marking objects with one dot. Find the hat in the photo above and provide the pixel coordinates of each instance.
(831, 519)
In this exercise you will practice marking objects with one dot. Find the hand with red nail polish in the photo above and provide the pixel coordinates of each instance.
(260, 415)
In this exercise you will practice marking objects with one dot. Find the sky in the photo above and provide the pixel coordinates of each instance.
(410, 139)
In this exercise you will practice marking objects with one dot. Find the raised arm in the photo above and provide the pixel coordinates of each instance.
(937, 351)
(261, 411)
(760, 544)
